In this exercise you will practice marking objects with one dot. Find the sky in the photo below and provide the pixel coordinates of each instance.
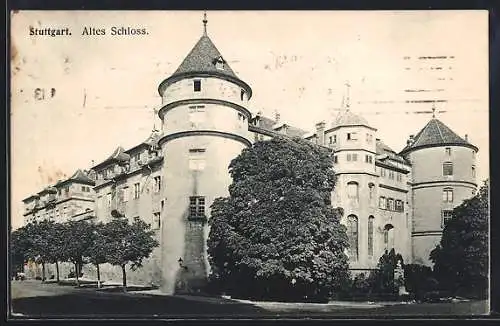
(297, 63)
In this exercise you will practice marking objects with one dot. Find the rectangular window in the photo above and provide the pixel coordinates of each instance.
(382, 172)
(334, 138)
(349, 158)
(382, 203)
(399, 177)
(473, 172)
(197, 159)
(137, 157)
(391, 175)
(390, 204)
(196, 115)
(335, 159)
(448, 151)
(156, 221)
(448, 195)
(447, 168)
(197, 85)
(197, 207)
(352, 136)
(125, 194)
(399, 206)
(354, 157)
(446, 216)
(137, 190)
(157, 183)
(108, 200)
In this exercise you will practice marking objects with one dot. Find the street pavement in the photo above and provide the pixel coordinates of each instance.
(37, 300)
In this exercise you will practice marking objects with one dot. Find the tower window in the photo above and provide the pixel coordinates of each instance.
(370, 235)
(399, 206)
(473, 172)
(334, 138)
(197, 159)
(352, 189)
(371, 189)
(197, 85)
(447, 168)
(156, 221)
(448, 195)
(242, 95)
(335, 159)
(157, 183)
(351, 136)
(219, 63)
(390, 204)
(197, 207)
(352, 233)
(354, 157)
(446, 216)
(382, 172)
(330, 140)
(448, 151)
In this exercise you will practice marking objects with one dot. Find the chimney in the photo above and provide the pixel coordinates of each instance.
(320, 132)
(466, 137)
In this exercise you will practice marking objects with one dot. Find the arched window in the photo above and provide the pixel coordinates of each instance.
(388, 231)
(352, 233)
(352, 189)
(370, 235)
(371, 188)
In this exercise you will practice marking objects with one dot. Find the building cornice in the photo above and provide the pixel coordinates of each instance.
(214, 133)
(441, 183)
(353, 149)
(203, 74)
(407, 151)
(366, 173)
(172, 105)
(381, 185)
(349, 126)
(427, 233)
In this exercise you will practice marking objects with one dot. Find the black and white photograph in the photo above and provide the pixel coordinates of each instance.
(249, 164)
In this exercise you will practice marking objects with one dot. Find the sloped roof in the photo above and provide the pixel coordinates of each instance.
(202, 58)
(152, 139)
(348, 118)
(381, 148)
(436, 133)
(82, 177)
(271, 125)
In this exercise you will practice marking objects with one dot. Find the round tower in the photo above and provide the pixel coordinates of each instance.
(204, 126)
(443, 175)
(354, 144)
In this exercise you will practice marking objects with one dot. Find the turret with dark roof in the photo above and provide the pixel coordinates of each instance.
(434, 134)
(204, 60)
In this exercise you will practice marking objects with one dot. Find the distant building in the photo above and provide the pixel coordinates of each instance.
(390, 200)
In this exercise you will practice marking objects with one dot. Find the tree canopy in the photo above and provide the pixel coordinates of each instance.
(461, 258)
(277, 232)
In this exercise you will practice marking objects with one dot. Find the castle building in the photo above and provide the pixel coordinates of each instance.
(390, 200)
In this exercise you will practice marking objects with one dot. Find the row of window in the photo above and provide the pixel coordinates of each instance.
(197, 87)
(390, 174)
(123, 193)
(353, 157)
(353, 236)
(85, 189)
(350, 136)
(447, 151)
(196, 210)
(390, 204)
(448, 169)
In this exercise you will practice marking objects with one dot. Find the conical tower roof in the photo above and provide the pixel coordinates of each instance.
(348, 118)
(203, 61)
(435, 133)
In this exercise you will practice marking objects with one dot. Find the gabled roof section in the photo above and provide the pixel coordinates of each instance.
(382, 149)
(203, 58)
(435, 133)
(152, 140)
(119, 156)
(272, 125)
(81, 177)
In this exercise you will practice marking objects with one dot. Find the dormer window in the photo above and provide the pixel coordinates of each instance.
(219, 63)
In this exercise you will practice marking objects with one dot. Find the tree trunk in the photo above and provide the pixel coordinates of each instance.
(57, 271)
(124, 278)
(43, 272)
(98, 276)
(77, 273)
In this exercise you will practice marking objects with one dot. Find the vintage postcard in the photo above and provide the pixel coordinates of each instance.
(225, 164)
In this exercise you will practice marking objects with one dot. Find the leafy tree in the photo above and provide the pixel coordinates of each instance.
(55, 245)
(78, 237)
(277, 235)
(37, 238)
(96, 252)
(19, 247)
(128, 243)
(461, 258)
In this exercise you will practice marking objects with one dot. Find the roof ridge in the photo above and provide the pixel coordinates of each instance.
(439, 129)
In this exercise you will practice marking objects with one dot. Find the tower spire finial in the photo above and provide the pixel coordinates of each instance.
(205, 21)
(433, 110)
(347, 98)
